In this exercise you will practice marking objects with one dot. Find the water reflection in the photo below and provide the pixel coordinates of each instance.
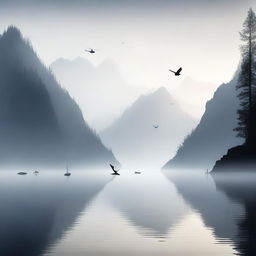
(226, 203)
(217, 211)
(139, 216)
(36, 210)
(242, 189)
(148, 201)
(135, 215)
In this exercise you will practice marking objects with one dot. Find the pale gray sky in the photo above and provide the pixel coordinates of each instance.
(144, 37)
(200, 35)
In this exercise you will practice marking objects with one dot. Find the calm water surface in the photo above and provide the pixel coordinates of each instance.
(154, 213)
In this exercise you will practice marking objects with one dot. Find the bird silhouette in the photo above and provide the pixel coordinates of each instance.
(91, 50)
(115, 172)
(176, 73)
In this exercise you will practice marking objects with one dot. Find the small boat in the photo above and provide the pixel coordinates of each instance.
(137, 172)
(67, 172)
(22, 173)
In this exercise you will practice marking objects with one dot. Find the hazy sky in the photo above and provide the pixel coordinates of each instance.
(145, 37)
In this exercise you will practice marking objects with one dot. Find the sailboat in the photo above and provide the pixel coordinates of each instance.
(67, 172)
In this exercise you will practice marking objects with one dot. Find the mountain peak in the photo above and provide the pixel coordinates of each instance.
(40, 113)
(143, 140)
(13, 32)
(160, 94)
(162, 91)
(77, 62)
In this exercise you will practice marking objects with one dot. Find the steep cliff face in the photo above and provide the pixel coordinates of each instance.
(40, 124)
(214, 134)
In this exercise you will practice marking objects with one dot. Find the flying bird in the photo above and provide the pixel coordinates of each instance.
(176, 73)
(115, 172)
(90, 50)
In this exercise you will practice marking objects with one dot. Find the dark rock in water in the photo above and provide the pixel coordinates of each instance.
(22, 173)
(240, 158)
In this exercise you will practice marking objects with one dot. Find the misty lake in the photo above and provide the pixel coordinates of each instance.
(154, 213)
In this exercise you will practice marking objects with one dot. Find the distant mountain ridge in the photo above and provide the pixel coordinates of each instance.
(149, 131)
(40, 124)
(100, 89)
(214, 134)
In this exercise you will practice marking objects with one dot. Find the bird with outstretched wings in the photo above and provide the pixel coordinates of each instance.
(90, 50)
(176, 73)
(115, 172)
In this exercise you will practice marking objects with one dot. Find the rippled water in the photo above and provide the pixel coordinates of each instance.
(154, 213)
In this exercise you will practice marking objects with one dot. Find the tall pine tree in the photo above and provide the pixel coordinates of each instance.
(247, 82)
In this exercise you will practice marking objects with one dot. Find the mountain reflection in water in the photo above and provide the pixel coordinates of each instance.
(226, 203)
(241, 188)
(155, 213)
(36, 210)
